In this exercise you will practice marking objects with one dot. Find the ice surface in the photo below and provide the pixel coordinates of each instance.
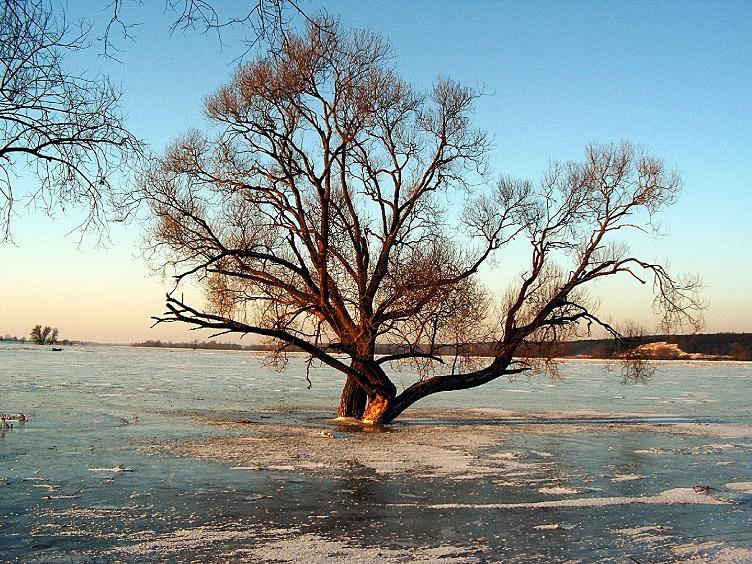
(137, 454)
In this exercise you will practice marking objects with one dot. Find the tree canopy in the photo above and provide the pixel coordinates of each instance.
(333, 207)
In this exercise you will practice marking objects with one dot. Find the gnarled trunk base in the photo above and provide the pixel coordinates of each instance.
(379, 411)
(352, 402)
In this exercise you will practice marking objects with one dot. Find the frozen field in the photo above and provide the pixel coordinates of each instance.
(154, 454)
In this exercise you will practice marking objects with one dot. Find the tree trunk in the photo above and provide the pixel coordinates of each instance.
(352, 402)
(379, 411)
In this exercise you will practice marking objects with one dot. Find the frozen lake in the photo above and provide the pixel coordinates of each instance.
(154, 454)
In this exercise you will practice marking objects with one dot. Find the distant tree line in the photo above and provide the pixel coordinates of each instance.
(735, 346)
(731, 346)
(39, 336)
(13, 339)
(722, 346)
(211, 345)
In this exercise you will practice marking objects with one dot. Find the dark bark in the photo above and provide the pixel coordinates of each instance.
(352, 402)
(383, 410)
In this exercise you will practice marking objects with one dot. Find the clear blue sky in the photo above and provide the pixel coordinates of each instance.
(674, 77)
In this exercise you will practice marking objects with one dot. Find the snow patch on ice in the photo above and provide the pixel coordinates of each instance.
(745, 487)
(712, 551)
(627, 477)
(558, 490)
(678, 496)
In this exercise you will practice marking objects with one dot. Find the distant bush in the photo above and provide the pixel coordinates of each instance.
(44, 336)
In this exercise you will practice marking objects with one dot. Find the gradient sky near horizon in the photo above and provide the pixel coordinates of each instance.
(671, 76)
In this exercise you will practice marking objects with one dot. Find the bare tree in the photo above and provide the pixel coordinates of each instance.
(44, 336)
(62, 128)
(322, 216)
(261, 21)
